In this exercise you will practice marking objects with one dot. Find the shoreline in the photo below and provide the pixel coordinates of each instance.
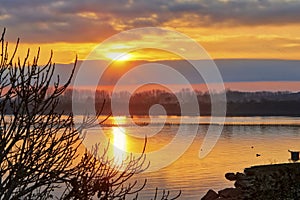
(261, 182)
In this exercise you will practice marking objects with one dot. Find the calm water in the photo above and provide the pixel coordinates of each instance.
(241, 139)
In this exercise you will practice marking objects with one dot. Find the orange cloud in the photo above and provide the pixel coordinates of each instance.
(227, 29)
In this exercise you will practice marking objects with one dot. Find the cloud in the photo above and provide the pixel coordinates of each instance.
(94, 20)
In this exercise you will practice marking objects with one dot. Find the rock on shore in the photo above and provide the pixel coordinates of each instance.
(274, 182)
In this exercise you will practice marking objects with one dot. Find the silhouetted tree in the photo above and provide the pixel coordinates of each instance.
(39, 147)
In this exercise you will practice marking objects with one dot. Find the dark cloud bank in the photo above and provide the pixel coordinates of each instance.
(48, 21)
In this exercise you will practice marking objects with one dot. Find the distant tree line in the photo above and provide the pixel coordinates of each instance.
(261, 103)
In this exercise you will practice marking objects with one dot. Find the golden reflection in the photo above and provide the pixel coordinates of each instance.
(119, 141)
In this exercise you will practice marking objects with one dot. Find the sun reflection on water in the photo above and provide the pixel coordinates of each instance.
(119, 141)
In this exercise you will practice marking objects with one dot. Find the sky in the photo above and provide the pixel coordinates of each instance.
(227, 29)
(238, 74)
(255, 29)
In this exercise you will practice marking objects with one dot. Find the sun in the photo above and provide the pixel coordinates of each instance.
(119, 56)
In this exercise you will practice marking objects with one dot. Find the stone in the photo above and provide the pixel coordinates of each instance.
(240, 176)
(210, 195)
(230, 192)
(230, 176)
(244, 184)
(279, 181)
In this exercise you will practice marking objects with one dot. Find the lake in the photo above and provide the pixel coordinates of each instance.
(241, 139)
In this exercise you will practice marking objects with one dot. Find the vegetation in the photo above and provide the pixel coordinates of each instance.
(238, 103)
(40, 147)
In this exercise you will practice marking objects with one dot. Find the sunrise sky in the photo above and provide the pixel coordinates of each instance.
(227, 29)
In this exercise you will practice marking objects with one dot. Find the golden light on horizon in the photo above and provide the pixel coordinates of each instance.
(119, 57)
(241, 42)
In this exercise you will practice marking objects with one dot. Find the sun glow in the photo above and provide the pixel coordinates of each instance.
(119, 56)
(119, 141)
(119, 138)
